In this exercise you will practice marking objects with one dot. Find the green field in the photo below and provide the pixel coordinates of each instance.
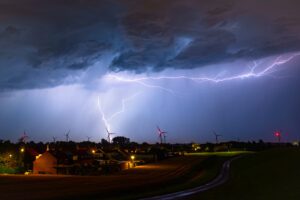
(272, 174)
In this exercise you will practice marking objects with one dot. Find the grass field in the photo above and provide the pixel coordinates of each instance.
(272, 174)
(167, 176)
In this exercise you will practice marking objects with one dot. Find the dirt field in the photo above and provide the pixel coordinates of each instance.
(138, 180)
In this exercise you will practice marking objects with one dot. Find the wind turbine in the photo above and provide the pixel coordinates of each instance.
(165, 138)
(217, 137)
(161, 134)
(24, 137)
(109, 135)
(67, 136)
(277, 134)
(88, 138)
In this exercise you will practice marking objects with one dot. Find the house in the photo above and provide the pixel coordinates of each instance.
(45, 163)
(82, 161)
(117, 160)
(53, 162)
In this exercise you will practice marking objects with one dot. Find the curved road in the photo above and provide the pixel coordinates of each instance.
(219, 180)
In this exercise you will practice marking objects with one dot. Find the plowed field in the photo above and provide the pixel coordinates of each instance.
(141, 179)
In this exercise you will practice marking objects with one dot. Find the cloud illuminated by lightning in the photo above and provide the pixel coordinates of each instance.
(254, 72)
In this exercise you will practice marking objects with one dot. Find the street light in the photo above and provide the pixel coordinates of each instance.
(93, 151)
(132, 157)
(10, 155)
(132, 160)
(22, 150)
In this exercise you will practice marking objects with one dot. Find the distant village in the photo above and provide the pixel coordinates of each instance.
(106, 157)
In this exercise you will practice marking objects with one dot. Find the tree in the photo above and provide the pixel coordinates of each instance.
(104, 142)
(121, 141)
(8, 163)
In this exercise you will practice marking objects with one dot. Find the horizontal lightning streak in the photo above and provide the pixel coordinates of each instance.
(251, 74)
(140, 82)
(254, 72)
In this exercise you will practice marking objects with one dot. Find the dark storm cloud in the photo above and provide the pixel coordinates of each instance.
(219, 31)
(43, 42)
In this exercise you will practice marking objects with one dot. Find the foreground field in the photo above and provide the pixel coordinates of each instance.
(272, 174)
(165, 177)
(142, 179)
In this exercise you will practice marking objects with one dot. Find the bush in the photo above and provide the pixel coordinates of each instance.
(8, 164)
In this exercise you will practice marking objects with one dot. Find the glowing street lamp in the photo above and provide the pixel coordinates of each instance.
(22, 150)
(93, 151)
(10, 155)
(132, 158)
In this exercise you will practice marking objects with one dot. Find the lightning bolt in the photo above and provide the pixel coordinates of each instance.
(254, 72)
(124, 100)
(140, 81)
(106, 120)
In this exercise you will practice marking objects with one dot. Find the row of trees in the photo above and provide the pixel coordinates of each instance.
(120, 141)
(8, 146)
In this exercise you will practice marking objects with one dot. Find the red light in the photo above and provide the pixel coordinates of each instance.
(277, 134)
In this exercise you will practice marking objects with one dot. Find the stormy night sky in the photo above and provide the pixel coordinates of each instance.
(191, 67)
